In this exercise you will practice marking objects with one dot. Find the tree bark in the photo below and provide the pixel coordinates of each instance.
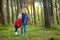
(34, 13)
(59, 10)
(0, 18)
(2, 12)
(17, 9)
(46, 14)
(51, 12)
(8, 12)
(12, 11)
(57, 19)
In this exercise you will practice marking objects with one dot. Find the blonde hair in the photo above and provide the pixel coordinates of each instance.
(24, 10)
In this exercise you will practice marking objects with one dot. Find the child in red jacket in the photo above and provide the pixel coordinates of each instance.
(18, 23)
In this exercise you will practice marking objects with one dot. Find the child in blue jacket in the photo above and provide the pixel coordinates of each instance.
(24, 21)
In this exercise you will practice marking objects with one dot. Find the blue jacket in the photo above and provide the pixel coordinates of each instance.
(24, 18)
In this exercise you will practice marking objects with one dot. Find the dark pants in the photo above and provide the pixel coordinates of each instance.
(16, 28)
(23, 29)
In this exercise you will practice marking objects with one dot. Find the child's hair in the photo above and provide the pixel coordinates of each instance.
(19, 16)
(24, 10)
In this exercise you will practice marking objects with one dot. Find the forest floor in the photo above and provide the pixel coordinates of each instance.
(33, 33)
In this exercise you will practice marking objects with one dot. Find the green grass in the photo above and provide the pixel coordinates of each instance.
(33, 33)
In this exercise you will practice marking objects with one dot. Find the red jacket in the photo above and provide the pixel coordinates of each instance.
(18, 22)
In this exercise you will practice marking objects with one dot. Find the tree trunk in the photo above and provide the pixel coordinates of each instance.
(20, 4)
(31, 12)
(34, 13)
(57, 19)
(42, 15)
(2, 12)
(51, 12)
(17, 9)
(15, 5)
(38, 14)
(59, 11)
(8, 12)
(46, 14)
(12, 11)
(0, 18)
